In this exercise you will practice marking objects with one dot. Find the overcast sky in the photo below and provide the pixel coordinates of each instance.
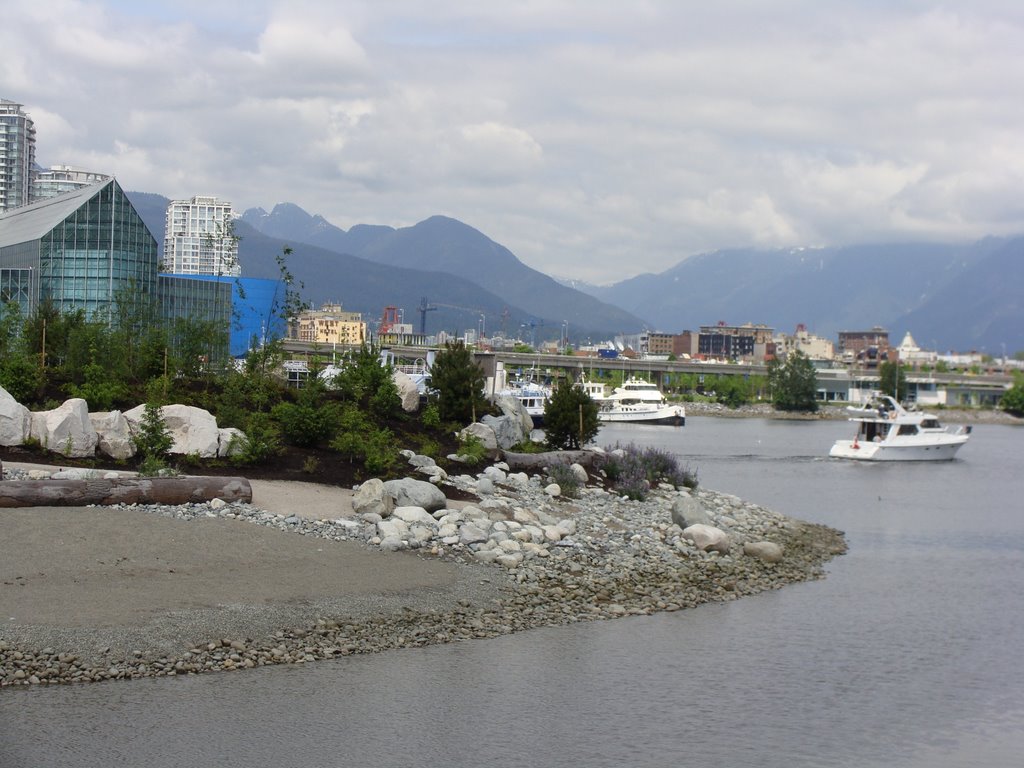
(596, 140)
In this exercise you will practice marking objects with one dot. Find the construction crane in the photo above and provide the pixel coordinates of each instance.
(424, 308)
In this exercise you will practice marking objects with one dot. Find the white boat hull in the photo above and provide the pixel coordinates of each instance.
(671, 415)
(929, 448)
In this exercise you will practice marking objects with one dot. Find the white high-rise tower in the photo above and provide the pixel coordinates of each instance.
(199, 238)
(17, 155)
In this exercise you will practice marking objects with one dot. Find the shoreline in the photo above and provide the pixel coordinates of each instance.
(838, 413)
(335, 590)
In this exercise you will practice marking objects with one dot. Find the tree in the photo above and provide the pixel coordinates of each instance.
(892, 380)
(570, 417)
(459, 382)
(794, 384)
(1013, 400)
(152, 438)
(369, 383)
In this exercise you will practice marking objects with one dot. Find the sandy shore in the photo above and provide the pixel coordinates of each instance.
(111, 581)
(94, 593)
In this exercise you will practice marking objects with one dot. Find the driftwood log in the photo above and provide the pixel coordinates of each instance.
(518, 462)
(123, 490)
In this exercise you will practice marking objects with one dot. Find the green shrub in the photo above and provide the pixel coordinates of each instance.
(472, 450)
(261, 440)
(305, 423)
(152, 439)
(566, 479)
(431, 416)
(21, 376)
(359, 439)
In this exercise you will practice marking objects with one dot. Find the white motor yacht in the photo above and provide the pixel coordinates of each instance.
(886, 431)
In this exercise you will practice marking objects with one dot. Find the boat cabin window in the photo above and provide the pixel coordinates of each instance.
(908, 429)
(872, 430)
(931, 424)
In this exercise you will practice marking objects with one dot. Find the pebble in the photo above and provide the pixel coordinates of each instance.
(598, 556)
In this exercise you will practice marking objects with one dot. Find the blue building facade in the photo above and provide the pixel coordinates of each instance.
(254, 319)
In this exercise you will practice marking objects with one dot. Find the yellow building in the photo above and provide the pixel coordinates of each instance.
(330, 325)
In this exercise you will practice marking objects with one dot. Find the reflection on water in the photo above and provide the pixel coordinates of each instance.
(905, 655)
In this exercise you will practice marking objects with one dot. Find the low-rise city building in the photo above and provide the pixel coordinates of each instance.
(329, 325)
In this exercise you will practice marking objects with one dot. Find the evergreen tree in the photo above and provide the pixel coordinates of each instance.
(570, 417)
(892, 380)
(794, 383)
(459, 382)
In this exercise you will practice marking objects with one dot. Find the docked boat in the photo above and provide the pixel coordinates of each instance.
(635, 402)
(886, 431)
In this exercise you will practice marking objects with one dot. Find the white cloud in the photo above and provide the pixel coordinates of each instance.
(593, 139)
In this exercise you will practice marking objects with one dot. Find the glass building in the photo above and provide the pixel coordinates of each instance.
(89, 248)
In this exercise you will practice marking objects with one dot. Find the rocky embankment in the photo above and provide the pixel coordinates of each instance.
(557, 560)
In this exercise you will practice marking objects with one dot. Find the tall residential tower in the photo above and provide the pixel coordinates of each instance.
(17, 155)
(199, 238)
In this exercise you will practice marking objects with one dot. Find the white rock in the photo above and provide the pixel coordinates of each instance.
(412, 515)
(553, 490)
(768, 551)
(113, 436)
(372, 498)
(483, 433)
(15, 420)
(66, 429)
(408, 392)
(392, 528)
(230, 441)
(193, 430)
(409, 492)
(470, 533)
(707, 538)
(509, 559)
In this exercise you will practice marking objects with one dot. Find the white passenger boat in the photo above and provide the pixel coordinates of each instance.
(635, 402)
(886, 431)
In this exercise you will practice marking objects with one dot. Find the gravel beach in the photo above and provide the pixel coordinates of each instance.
(99, 593)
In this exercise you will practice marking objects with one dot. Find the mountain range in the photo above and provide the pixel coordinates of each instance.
(448, 275)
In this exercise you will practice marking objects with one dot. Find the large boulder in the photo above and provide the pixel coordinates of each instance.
(230, 441)
(687, 511)
(15, 420)
(483, 433)
(512, 407)
(766, 551)
(193, 430)
(708, 538)
(113, 435)
(409, 492)
(66, 429)
(372, 498)
(508, 430)
(407, 390)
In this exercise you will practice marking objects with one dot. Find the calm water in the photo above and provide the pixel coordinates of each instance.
(908, 654)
